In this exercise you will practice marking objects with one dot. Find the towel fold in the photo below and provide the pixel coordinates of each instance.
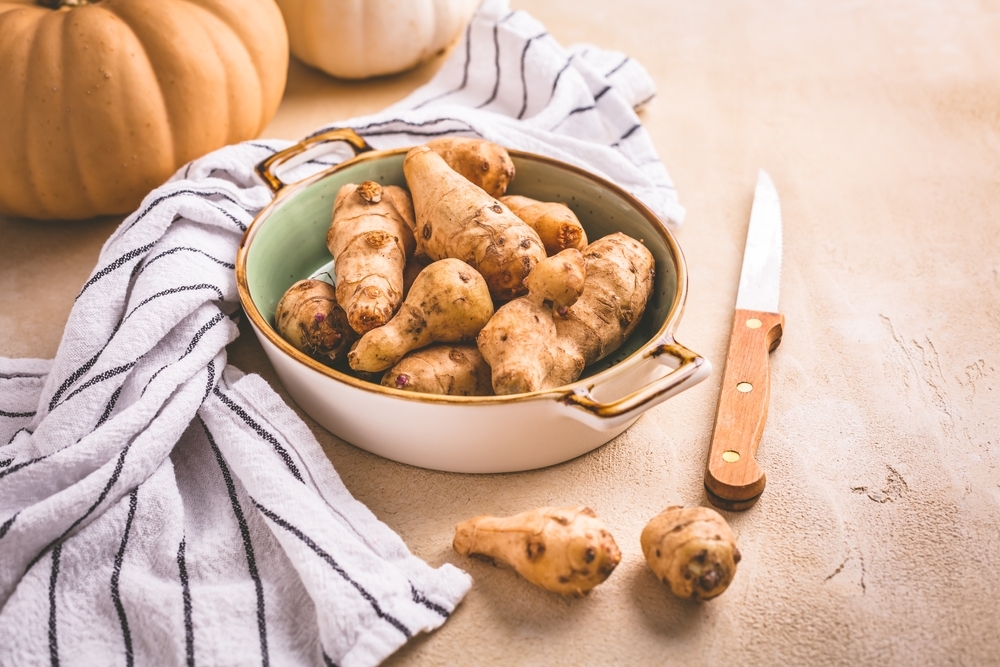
(159, 507)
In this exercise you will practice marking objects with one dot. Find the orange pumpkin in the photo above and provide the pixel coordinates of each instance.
(102, 102)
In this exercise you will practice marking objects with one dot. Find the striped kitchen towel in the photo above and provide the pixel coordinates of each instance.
(157, 506)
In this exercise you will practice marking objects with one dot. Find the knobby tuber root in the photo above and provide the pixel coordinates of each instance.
(556, 224)
(482, 162)
(619, 282)
(452, 370)
(370, 239)
(693, 550)
(309, 317)
(566, 550)
(449, 302)
(530, 348)
(518, 341)
(457, 219)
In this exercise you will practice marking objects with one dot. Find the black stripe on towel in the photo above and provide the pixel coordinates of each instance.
(176, 290)
(524, 83)
(7, 524)
(78, 373)
(190, 348)
(571, 114)
(17, 376)
(496, 62)
(11, 469)
(7, 462)
(186, 596)
(175, 193)
(14, 415)
(555, 83)
(247, 544)
(116, 576)
(53, 640)
(211, 380)
(627, 134)
(617, 67)
(259, 430)
(465, 70)
(419, 598)
(16, 433)
(100, 499)
(97, 379)
(645, 101)
(114, 266)
(187, 249)
(392, 620)
(201, 332)
(327, 661)
(414, 133)
(110, 406)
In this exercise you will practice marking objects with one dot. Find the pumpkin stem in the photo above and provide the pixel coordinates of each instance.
(59, 4)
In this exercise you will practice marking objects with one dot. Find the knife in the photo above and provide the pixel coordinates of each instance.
(733, 480)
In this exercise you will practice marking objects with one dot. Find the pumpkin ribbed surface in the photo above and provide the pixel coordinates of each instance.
(104, 101)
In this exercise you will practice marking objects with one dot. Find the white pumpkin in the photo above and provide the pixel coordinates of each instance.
(356, 39)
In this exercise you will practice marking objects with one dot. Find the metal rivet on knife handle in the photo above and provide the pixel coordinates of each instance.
(744, 387)
(754, 323)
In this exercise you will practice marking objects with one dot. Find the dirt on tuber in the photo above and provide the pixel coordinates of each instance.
(566, 550)
(457, 219)
(482, 162)
(310, 319)
(556, 224)
(450, 370)
(692, 550)
(370, 239)
(449, 302)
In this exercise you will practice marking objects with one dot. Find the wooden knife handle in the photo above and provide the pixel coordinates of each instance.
(733, 479)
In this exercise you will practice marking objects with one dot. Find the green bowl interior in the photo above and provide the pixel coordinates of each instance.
(290, 244)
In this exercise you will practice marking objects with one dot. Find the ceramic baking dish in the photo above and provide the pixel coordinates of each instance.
(487, 434)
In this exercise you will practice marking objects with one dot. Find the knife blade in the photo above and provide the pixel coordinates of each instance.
(733, 480)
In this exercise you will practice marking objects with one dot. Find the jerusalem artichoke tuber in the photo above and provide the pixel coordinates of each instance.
(619, 282)
(529, 348)
(449, 302)
(309, 317)
(370, 239)
(452, 370)
(457, 219)
(482, 162)
(517, 342)
(693, 550)
(556, 224)
(566, 550)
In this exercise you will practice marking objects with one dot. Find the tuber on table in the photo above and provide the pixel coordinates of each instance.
(693, 550)
(556, 224)
(517, 342)
(566, 550)
(449, 302)
(309, 317)
(455, 218)
(370, 239)
(482, 162)
(451, 370)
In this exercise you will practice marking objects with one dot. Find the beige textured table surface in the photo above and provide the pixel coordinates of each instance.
(877, 540)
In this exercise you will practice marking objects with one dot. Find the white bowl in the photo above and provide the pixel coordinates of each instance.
(480, 434)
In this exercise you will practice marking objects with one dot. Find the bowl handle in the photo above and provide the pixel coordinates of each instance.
(689, 368)
(304, 151)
